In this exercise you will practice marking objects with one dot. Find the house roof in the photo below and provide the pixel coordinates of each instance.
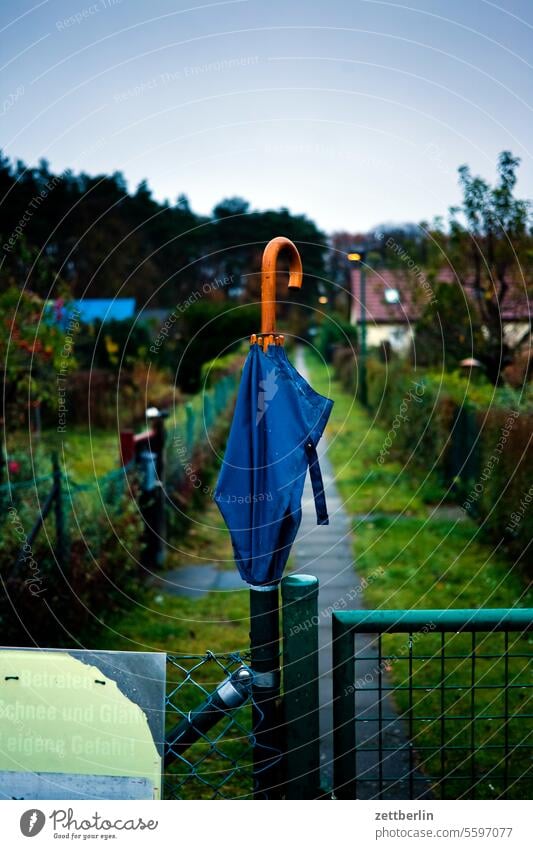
(411, 302)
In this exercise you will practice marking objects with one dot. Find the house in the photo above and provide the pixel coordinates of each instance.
(393, 305)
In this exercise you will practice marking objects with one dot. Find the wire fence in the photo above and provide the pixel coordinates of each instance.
(71, 549)
(215, 761)
(82, 506)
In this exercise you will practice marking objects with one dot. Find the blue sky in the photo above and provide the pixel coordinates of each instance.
(354, 112)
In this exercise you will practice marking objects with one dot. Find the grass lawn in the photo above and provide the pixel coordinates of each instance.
(86, 454)
(158, 621)
(433, 561)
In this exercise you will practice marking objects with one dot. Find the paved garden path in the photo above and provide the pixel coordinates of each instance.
(326, 551)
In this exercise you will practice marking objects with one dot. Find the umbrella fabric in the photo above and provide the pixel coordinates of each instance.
(277, 424)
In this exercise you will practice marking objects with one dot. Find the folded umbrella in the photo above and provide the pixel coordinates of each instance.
(277, 424)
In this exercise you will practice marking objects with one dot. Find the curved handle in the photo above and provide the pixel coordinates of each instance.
(268, 279)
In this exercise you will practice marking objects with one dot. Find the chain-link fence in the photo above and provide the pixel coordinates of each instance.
(210, 744)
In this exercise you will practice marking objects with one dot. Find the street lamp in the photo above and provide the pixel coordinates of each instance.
(357, 256)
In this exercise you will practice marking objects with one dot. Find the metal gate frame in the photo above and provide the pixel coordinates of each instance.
(347, 624)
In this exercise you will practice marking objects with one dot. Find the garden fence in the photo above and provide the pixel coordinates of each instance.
(76, 506)
(433, 703)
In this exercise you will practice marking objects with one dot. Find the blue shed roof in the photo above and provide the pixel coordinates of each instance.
(103, 309)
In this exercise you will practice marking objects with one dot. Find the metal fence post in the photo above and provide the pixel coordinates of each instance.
(300, 686)
(343, 710)
(59, 513)
(264, 644)
(149, 505)
(189, 428)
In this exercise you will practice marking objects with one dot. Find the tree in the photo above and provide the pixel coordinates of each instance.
(448, 329)
(35, 352)
(490, 249)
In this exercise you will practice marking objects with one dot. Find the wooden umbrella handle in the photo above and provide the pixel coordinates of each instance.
(268, 285)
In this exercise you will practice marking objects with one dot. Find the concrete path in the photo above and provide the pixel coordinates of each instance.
(326, 551)
(198, 580)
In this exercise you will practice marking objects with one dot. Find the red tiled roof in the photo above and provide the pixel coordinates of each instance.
(516, 306)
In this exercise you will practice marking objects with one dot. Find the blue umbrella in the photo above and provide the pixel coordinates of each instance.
(276, 427)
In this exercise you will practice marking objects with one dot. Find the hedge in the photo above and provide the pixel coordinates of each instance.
(477, 439)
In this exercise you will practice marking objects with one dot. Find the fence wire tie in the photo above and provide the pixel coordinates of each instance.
(266, 680)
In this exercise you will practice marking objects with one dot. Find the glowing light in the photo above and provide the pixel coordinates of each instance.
(392, 296)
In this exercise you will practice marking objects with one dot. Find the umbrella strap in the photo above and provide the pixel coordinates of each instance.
(317, 484)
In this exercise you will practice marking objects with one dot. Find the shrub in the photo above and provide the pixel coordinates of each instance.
(208, 330)
(46, 604)
(335, 332)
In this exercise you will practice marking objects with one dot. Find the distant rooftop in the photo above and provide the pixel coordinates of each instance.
(389, 299)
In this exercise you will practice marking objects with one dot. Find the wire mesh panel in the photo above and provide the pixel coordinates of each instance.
(218, 764)
(441, 704)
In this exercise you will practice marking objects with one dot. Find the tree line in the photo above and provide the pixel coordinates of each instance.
(91, 235)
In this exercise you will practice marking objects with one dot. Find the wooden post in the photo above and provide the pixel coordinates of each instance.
(127, 447)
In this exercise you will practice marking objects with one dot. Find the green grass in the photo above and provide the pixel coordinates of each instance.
(411, 557)
(85, 453)
(207, 541)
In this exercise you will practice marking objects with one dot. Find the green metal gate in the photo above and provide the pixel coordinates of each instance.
(426, 704)
(442, 709)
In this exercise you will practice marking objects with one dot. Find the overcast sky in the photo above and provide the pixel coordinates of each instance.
(354, 112)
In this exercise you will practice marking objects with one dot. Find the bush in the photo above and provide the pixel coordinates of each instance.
(45, 604)
(335, 332)
(505, 462)
(209, 330)
(214, 370)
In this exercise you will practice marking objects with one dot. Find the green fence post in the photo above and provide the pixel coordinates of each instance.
(343, 710)
(219, 397)
(300, 686)
(208, 412)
